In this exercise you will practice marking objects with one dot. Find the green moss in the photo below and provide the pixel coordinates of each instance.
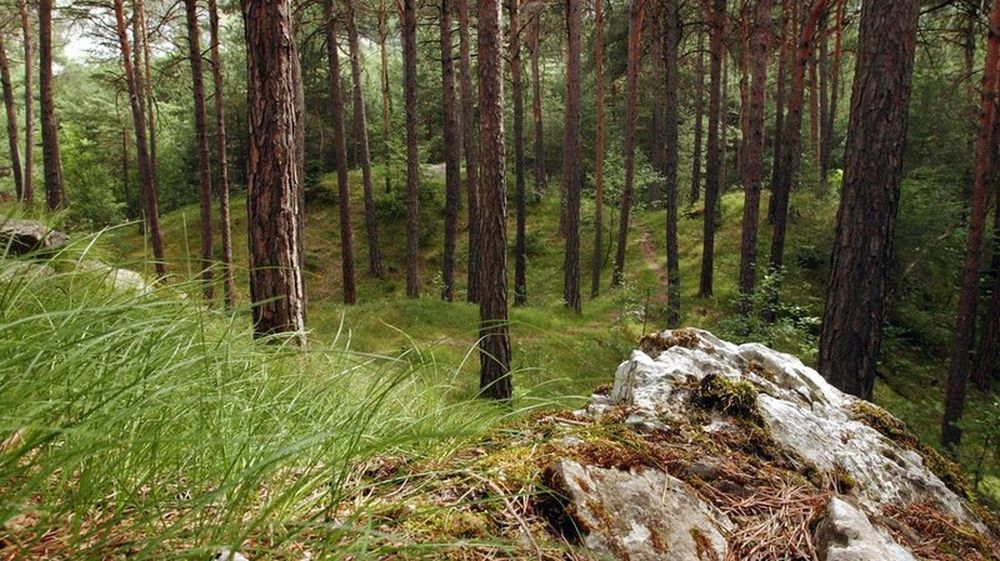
(736, 397)
(949, 472)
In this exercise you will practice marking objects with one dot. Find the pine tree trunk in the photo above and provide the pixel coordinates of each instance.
(517, 87)
(135, 93)
(142, 66)
(225, 226)
(494, 355)
(637, 9)
(791, 152)
(126, 178)
(340, 154)
(470, 142)
(787, 31)
(699, 117)
(12, 135)
(536, 105)
(672, 38)
(383, 33)
(862, 253)
(201, 141)
(989, 340)
(452, 152)
(754, 154)
(273, 181)
(824, 107)
(813, 84)
(965, 320)
(409, 29)
(28, 194)
(713, 176)
(572, 172)
(831, 117)
(364, 154)
(595, 279)
(55, 193)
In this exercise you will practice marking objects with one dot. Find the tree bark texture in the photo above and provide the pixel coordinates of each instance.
(862, 254)
(572, 172)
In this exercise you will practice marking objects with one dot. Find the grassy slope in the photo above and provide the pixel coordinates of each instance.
(558, 355)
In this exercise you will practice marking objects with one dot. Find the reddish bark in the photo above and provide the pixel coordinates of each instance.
(364, 153)
(637, 10)
(851, 332)
(713, 176)
(12, 135)
(340, 155)
(55, 193)
(965, 320)
(470, 142)
(225, 227)
(572, 172)
(452, 152)
(201, 142)
(409, 28)
(273, 180)
(753, 158)
(595, 276)
(494, 356)
(520, 202)
(28, 195)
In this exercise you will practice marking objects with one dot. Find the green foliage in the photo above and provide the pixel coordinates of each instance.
(793, 326)
(94, 204)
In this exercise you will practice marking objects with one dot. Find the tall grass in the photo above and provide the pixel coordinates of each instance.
(143, 424)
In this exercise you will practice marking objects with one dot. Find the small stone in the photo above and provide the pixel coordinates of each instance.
(224, 554)
(846, 534)
(27, 236)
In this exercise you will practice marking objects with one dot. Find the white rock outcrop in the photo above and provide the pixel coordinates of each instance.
(804, 416)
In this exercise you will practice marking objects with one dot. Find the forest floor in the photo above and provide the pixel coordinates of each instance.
(559, 357)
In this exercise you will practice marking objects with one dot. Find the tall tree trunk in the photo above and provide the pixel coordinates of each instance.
(273, 181)
(862, 252)
(409, 28)
(791, 152)
(572, 172)
(823, 65)
(723, 131)
(965, 320)
(201, 140)
(494, 355)
(383, 33)
(470, 142)
(536, 105)
(754, 154)
(699, 117)
(12, 136)
(55, 193)
(142, 66)
(637, 10)
(28, 194)
(831, 117)
(126, 177)
(713, 176)
(784, 59)
(671, 38)
(135, 92)
(364, 154)
(517, 87)
(225, 227)
(452, 152)
(813, 85)
(989, 340)
(340, 153)
(595, 277)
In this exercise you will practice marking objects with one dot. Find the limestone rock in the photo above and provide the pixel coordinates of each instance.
(846, 534)
(645, 515)
(124, 280)
(27, 236)
(224, 554)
